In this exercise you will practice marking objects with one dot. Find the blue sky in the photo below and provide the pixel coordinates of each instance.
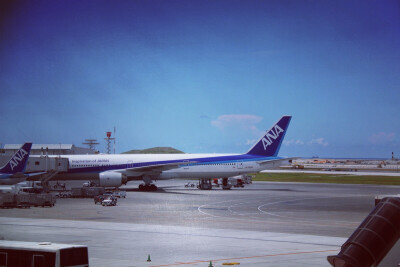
(203, 76)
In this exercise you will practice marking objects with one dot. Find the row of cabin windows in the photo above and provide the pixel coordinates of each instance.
(79, 165)
(216, 164)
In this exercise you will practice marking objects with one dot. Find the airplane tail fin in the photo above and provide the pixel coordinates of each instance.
(18, 161)
(270, 143)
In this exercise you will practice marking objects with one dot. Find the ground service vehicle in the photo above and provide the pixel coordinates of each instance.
(64, 194)
(87, 191)
(190, 184)
(109, 201)
(98, 199)
(204, 184)
(18, 253)
(26, 200)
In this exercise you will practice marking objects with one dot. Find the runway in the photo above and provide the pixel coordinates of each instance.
(263, 224)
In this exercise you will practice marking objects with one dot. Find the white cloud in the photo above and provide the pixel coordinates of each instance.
(251, 141)
(315, 141)
(318, 141)
(299, 142)
(381, 138)
(293, 142)
(238, 121)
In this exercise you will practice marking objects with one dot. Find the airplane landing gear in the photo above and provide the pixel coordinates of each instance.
(148, 187)
(225, 184)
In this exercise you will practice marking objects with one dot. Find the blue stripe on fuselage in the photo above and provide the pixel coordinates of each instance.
(199, 161)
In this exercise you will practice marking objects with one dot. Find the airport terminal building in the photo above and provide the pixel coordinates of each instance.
(48, 149)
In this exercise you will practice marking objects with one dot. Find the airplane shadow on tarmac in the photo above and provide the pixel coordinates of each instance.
(161, 190)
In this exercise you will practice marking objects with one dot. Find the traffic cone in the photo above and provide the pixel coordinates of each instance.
(210, 264)
(148, 258)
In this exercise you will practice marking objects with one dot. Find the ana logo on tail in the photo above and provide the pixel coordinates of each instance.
(268, 145)
(271, 136)
(17, 158)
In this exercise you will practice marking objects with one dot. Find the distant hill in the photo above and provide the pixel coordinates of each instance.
(155, 150)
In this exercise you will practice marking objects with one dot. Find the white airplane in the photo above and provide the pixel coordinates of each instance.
(115, 170)
(13, 171)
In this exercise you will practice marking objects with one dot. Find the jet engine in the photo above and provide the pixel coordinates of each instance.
(112, 179)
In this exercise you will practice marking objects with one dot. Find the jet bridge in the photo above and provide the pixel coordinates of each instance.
(50, 166)
(47, 164)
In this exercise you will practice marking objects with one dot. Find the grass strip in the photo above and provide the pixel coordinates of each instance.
(327, 178)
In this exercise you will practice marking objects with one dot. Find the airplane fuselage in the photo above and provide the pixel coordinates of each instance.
(190, 165)
(115, 170)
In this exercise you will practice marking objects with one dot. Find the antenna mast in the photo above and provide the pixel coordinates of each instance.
(91, 143)
(108, 142)
(114, 138)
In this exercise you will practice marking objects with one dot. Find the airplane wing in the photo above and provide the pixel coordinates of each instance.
(160, 167)
(153, 169)
(275, 162)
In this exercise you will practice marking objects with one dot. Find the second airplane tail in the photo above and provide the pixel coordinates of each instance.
(270, 143)
(18, 161)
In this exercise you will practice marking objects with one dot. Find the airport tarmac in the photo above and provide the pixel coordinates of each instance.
(263, 224)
